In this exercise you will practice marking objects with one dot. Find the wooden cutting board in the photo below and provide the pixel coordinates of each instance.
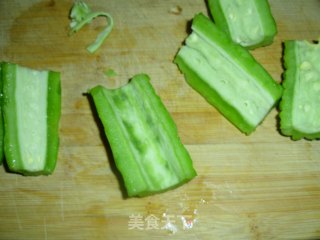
(262, 186)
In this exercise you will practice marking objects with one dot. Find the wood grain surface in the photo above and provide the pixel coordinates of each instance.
(262, 186)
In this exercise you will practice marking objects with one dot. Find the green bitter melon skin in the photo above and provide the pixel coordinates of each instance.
(248, 22)
(203, 62)
(37, 153)
(143, 137)
(299, 106)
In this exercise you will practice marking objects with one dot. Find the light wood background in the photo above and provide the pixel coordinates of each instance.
(262, 186)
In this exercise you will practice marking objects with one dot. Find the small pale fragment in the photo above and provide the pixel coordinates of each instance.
(176, 10)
